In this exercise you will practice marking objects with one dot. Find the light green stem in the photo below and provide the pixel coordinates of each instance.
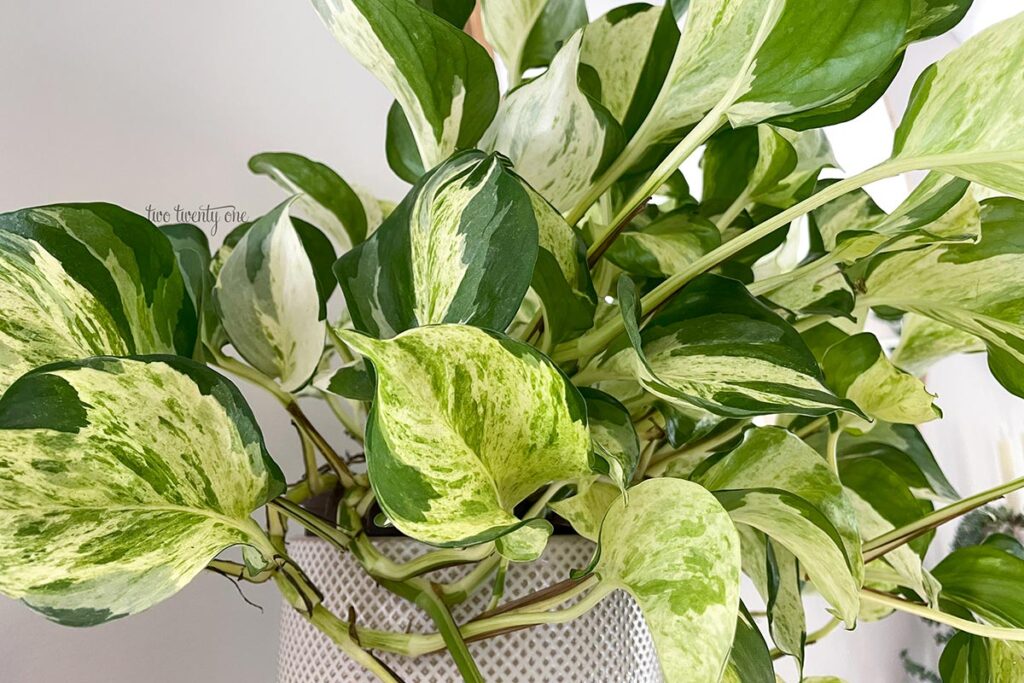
(734, 210)
(965, 625)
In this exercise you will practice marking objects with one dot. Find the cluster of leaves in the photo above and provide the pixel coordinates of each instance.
(550, 329)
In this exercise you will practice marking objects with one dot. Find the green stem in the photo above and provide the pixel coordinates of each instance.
(350, 422)
(303, 490)
(734, 210)
(877, 547)
(333, 459)
(973, 627)
(315, 524)
(309, 460)
(832, 449)
(659, 466)
(595, 341)
(383, 567)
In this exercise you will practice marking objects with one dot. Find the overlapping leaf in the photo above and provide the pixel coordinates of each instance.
(674, 548)
(614, 437)
(465, 424)
(527, 33)
(443, 80)
(79, 280)
(665, 246)
(122, 479)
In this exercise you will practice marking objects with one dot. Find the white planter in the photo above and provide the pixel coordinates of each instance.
(609, 644)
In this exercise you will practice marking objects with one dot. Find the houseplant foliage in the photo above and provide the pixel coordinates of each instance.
(550, 331)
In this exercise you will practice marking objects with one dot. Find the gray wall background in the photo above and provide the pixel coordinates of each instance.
(162, 103)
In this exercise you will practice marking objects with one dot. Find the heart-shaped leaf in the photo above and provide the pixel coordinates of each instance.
(79, 280)
(122, 479)
(466, 424)
(270, 301)
(443, 80)
(674, 548)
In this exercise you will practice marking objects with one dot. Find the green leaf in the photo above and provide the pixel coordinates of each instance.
(779, 485)
(460, 248)
(974, 288)
(527, 33)
(823, 290)
(400, 146)
(613, 435)
(715, 347)
(585, 509)
(966, 659)
(442, 78)
(665, 246)
(965, 112)
(328, 201)
(630, 49)
(749, 661)
(557, 137)
(858, 369)
(122, 479)
(451, 450)
(80, 280)
(786, 618)
(269, 301)
(889, 495)
(930, 18)
(455, 12)
(813, 154)
(192, 252)
(674, 548)
(351, 381)
(740, 165)
(986, 581)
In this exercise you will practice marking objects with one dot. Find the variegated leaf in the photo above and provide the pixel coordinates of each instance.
(269, 303)
(613, 435)
(779, 485)
(460, 248)
(79, 280)
(858, 369)
(122, 479)
(465, 424)
(924, 341)
(974, 288)
(527, 33)
(443, 80)
(324, 196)
(750, 661)
(585, 510)
(965, 113)
(716, 347)
(819, 291)
(741, 164)
(557, 137)
(673, 547)
(786, 618)
(665, 246)
(813, 154)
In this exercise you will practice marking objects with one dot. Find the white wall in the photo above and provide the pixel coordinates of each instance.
(162, 103)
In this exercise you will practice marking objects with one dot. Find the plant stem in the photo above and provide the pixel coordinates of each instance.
(309, 460)
(349, 422)
(659, 466)
(319, 526)
(734, 210)
(813, 637)
(877, 547)
(593, 342)
(973, 627)
(832, 448)
(383, 567)
(333, 459)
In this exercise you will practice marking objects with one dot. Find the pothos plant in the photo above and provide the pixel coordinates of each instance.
(550, 329)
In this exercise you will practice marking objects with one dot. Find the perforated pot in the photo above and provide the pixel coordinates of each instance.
(609, 644)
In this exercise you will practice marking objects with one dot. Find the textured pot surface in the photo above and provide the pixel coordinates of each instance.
(609, 644)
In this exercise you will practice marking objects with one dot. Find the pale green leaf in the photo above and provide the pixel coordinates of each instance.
(460, 248)
(665, 246)
(269, 303)
(80, 280)
(324, 196)
(122, 479)
(813, 154)
(585, 509)
(526, 33)
(786, 618)
(465, 424)
(858, 369)
(965, 112)
(924, 341)
(443, 80)
(556, 136)
(674, 548)
(776, 483)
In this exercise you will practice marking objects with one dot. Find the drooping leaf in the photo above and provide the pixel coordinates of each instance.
(786, 618)
(192, 252)
(716, 347)
(630, 49)
(749, 661)
(329, 202)
(777, 484)
(613, 435)
(269, 303)
(858, 369)
(122, 479)
(665, 246)
(465, 424)
(966, 659)
(974, 288)
(557, 137)
(80, 280)
(400, 146)
(442, 78)
(460, 248)
(674, 548)
(965, 112)
(527, 33)
(585, 510)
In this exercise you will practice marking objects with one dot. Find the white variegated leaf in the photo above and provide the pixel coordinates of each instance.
(965, 113)
(268, 301)
(556, 136)
(779, 485)
(525, 33)
(80, 280)
(673, 547)
(465, 424)
(813, 153)
(666, 246)
(924, 341)
(585, 509)
(442, 78)
(122, 479)
(613, 435)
